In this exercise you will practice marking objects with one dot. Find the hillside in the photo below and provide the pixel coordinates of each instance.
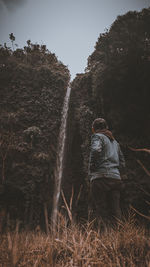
(32, 90)
(116, 86)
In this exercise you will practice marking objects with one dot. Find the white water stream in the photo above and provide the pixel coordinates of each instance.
(60, 157)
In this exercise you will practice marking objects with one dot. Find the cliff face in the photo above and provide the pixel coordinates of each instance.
(115, 86)
(32, 90)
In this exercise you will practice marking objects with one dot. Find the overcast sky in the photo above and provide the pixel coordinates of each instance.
(69, 28)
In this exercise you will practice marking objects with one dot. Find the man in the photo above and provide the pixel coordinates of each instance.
(106, 160)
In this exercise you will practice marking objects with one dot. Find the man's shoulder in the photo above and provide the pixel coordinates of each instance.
(98, 135)
(103, 137)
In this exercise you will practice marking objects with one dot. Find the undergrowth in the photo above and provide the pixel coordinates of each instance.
(127, 244)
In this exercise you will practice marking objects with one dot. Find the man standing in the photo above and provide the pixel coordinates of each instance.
(106, 160)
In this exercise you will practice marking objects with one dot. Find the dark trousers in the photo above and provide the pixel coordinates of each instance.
(104, 201)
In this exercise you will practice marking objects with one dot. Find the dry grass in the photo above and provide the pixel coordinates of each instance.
(74, 245)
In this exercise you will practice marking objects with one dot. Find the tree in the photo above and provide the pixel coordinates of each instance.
(12, 39)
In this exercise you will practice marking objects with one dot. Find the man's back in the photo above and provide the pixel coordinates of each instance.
(106, 156)
(105, 161)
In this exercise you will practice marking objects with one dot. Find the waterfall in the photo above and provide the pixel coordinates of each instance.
(60, 157)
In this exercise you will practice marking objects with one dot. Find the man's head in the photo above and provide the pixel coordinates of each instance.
(99, 124)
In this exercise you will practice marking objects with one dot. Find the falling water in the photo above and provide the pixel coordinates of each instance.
(60, 156)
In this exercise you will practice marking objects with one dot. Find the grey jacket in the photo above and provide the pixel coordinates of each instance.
(106, 158)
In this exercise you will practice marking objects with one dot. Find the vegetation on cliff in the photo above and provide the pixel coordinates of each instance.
(32, 89)
(116, 86)
(120, 72)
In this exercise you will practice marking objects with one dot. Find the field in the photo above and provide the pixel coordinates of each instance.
(126, 244)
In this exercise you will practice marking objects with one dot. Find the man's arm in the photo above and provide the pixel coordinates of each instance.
(96, 148)
(121, 159)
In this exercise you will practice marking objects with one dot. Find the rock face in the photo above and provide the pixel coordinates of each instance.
(115, 86)
(32, 90)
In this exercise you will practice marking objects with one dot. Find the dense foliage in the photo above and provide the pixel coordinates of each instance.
(120, 71)
(32, 88)
(116, 86)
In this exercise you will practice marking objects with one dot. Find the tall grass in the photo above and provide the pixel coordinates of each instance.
(78, 245)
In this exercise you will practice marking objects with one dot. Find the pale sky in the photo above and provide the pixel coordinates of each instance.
(69, 28)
